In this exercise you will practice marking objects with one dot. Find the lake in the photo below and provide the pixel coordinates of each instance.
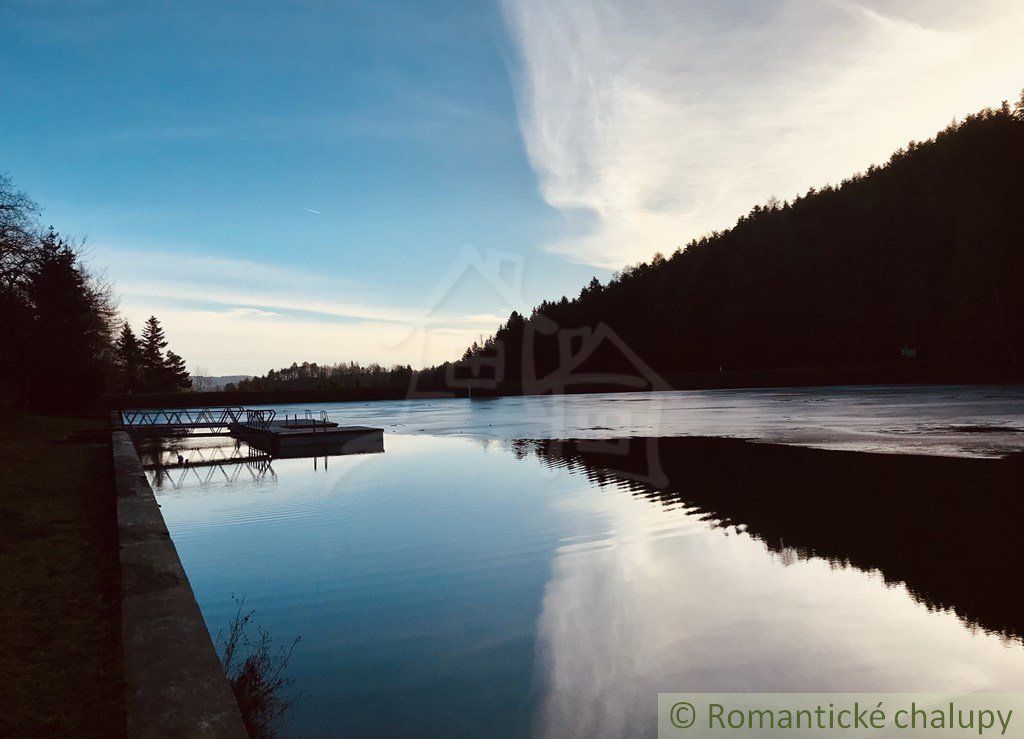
(548, 565)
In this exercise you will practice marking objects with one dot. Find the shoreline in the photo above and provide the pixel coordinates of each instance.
(801, 377)
(175, 683)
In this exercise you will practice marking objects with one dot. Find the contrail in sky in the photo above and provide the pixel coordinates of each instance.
(312, 211)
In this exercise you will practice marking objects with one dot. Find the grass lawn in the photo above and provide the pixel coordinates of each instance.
(60, 646)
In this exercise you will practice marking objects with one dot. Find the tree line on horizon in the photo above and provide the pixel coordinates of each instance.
(59, 341)
(340, 376)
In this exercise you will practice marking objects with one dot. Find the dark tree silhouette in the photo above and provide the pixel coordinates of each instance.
(312, 376)
(18, 251)
(154, 371)
(916, 263)
(160, 372)
(18, 242)
(57, 322)
(128, 357)
(68, 348)
(175, 374)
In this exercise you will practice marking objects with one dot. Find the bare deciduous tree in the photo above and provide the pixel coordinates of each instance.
(201, 380)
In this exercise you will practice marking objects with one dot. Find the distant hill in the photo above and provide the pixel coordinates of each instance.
(217, 382)
(919, 261)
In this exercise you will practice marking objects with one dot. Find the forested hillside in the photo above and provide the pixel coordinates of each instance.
(917, 261)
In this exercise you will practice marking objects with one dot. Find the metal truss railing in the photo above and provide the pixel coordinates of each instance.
(259, 418)
(196, 418)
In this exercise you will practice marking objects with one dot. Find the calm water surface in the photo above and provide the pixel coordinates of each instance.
(466, 583)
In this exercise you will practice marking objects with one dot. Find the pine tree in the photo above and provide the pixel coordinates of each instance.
(154, 371)
(69, 338)
(177, 377)
(128, 357)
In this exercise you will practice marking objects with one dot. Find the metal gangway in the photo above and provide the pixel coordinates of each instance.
(178, 420)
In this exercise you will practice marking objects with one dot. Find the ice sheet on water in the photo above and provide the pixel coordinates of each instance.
(980, 421)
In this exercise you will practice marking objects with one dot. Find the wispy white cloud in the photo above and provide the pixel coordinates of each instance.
(301, 303)
(252, 312)
(179, 266)
(240, 315)
(650, 122)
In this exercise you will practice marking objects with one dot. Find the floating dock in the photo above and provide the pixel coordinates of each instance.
(302, 437)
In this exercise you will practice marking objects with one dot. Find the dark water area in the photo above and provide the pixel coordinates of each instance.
(461, 584)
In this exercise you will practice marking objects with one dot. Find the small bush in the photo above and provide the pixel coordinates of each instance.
(258, 678)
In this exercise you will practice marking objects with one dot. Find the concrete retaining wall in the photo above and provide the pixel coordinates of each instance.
(175, 682)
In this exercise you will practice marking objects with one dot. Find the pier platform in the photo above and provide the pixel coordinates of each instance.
(301, 436)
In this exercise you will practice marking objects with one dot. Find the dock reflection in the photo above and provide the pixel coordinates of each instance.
(951, 530)
(358, 444)
(176, 462)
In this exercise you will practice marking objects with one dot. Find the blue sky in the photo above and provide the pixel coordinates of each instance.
(192, 142)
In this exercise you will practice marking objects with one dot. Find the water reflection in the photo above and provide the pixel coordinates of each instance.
(681, 597)
(366, 444)
(187, 460)
(946, 528)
